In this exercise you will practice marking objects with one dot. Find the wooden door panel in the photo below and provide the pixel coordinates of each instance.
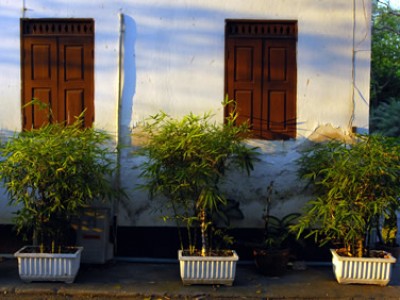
(57, 68)
(74, 105)
(277, 111)
(244, 105)
(41, 61)
(72, 62)
(244, 63)
(277, 67)
(41, 116)
(39, 79)
(261, 75)
(76, 90)
(243, 79)
(279, 85)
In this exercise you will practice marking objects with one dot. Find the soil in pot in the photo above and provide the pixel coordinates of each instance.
(224, 253)
(38, 249)
(381, 253)
(272, 262)
(394, 250)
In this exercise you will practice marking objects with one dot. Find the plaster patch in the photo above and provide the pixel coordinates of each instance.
(139, 137)
(325, 133)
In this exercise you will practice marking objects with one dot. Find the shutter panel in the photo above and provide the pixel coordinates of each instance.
(58, 69)
(279, 86)
(261, 75)
(76, 79)
(39, 78)
(244, 77)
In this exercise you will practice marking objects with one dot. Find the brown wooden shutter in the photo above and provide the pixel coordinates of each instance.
(261, 75)
(39, 78)
(58, 69)
(245, 75)
(279, 90)
(75, 79)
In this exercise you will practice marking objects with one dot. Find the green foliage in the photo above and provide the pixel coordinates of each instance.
(276, 230)
(52, 172)
(388, 232)
(385, 56)
(385, 118)
(186, 160)
(354, 184)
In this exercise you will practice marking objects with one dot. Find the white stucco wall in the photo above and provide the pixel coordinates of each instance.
(173, 59)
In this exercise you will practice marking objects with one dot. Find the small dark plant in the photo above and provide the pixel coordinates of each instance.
(50, 173)
(186, 160)
(276, 230)
(273, 252)
(354, 185)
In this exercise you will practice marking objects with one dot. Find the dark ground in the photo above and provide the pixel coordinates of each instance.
(149, 280)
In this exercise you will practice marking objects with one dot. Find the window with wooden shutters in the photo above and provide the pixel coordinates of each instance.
(57, 62)
(261, 75)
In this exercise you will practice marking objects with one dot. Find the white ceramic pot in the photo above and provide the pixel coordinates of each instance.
(208, 269)
(364, 270)
(48, 266)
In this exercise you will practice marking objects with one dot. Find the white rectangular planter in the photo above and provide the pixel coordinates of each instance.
(364, 270)
(208, 269)
(48, 266)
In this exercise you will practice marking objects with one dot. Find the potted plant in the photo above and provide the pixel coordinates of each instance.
(354, 184)
(272, 254)
(186, 162)
(50, 173)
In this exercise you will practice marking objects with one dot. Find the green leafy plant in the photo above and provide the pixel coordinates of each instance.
(385, 118)
(52, 172)
(277, 234)
(354, 184)
(385, 63)
(186, 160)
(276, 230)
(387, 233)
(387, 227)
(273, 251)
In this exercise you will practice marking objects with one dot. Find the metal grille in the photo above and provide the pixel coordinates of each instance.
(59, 27)
(257, 29)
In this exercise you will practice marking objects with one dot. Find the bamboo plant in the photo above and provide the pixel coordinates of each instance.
(52, 172)
(186, 160)
(354, 184)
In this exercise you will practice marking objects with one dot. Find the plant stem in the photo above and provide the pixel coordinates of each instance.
(203, 232)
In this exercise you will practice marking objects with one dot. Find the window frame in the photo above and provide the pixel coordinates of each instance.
(264, 31)
(66, 97)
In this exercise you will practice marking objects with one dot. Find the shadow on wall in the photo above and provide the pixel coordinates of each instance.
(188, 39)
(128, 76)
(161, 39)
